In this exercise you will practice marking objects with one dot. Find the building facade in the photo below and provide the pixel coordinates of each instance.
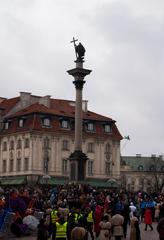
(37, 138)
(139, 173)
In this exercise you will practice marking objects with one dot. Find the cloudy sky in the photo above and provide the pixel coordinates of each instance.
(124, 41)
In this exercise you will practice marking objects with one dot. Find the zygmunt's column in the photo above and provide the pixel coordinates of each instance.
(78, 158)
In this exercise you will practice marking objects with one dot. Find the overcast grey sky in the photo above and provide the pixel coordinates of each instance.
(124, 47)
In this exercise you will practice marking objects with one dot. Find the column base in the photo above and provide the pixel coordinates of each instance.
(78, 166)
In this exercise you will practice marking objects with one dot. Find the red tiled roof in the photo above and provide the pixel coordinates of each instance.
(8, 104)
(60, 108)
(57, 108)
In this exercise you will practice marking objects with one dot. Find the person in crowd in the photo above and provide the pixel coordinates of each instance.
(2, 202)
(42, 233)
(161, 214)
(132, 209)
(157, 212)
(126, 214)
(134, 228)
(17, 204)
(60, 229)
(72, 223)
(78, 233)
(63, 210)
(18, 228)
(105, 228)
(98, 217)
(117, 221)
(148, 219)
(160, 229)
(89, 215)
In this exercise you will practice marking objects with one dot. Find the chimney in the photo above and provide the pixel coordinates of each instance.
(25, 99)
(45, 101)
(85, 105)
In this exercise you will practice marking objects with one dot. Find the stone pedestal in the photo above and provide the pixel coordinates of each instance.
(77, 166)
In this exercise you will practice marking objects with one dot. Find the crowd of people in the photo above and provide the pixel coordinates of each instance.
(76, 212)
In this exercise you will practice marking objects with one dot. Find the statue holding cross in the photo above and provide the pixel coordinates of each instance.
(79, 50)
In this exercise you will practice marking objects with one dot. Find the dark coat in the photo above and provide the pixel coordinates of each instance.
(160, 229)
(42, 232)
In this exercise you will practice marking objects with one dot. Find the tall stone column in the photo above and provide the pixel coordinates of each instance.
(78, 158)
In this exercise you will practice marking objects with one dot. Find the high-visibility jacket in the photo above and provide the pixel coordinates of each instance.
(54, 216)
(61, 230)
(77, 217)
(90, 217)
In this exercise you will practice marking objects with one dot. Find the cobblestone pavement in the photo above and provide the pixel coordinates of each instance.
(145, 235)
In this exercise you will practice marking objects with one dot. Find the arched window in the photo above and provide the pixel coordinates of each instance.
(162, 169)
(11, 145)
(19, 144)
(46, 143)
(108, 148)
(65, 145)
(26, 143)
(108, 151)
(152, 168)
(140, 168)
(91, 147)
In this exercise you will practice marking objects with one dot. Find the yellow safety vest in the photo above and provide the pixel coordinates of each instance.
(77, 217)
(61, 230)
(54, 216)
(90, 217)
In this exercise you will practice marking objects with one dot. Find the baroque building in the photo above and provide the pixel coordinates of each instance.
(140, 173)
(37, 138)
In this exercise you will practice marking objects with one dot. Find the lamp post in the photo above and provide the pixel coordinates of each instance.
(78, 158)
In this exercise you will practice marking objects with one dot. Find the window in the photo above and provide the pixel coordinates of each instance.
(107, 128)
(91, 147)
(90, 167)
(11, 155)
(141, 181)
(65, 145)
(107, 168)
(26, 164)
(140, 168)
(162, 169)
(108, 148)
(18, 164)
(46, 143)
(46, 122)
(152, 168)
(11, 165)
(64, 166)
(19, 144)
(4, 166)
(21, 122)
(26, 143)
(65, 124)
(149, 182)
(90, 127)
(11, 145)
(108, 152)
(4, 146)
(6, 125)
